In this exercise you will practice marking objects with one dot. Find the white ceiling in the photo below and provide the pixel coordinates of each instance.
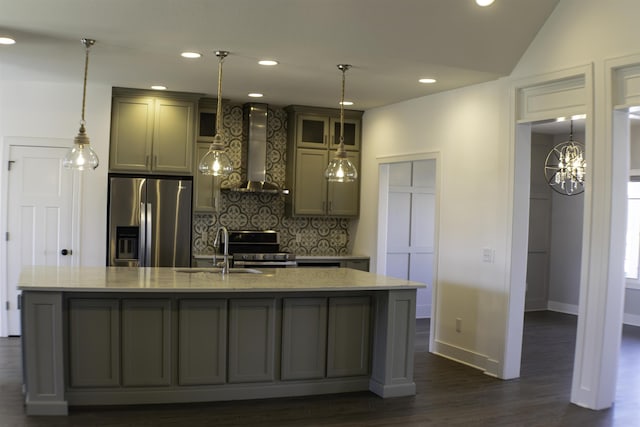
(390, 43)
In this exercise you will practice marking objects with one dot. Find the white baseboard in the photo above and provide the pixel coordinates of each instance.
(631, 319)
(562, 307)
(628, 319)
(461, 355)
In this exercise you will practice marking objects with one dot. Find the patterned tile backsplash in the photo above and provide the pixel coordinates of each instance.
(251, 211)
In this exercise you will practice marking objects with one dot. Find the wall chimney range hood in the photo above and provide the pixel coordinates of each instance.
(255, 120)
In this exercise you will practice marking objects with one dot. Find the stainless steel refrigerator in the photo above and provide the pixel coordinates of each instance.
(149, 222)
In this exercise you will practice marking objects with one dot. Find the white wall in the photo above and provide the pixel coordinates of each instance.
(471, 129)
(52, 109)
(465, 127)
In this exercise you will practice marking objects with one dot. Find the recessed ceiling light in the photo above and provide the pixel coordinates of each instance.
(190, 55)
(7, 40)
(484, 3)
(255, 95)
(158, 87)
(346, 103)
(427, 81)
(268, 62)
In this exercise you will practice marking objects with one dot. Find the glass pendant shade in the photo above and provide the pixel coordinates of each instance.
(340, 169)
(81, 156)
(216, 162)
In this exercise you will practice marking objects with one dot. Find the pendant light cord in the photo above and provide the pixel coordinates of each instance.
(344, 70)
(87, 44)
(221, 55)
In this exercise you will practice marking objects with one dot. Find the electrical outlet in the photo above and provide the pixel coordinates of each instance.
(458, 324)
(205, 236)
(298, 237)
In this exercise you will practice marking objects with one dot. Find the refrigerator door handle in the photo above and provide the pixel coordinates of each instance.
(142, 241)
(149, 236)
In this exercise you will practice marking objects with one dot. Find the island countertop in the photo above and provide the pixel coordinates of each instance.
(169, 279)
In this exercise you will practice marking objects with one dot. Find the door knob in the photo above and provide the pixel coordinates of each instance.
(65, 252)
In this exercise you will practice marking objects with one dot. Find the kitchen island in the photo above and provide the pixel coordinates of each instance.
(119, 335)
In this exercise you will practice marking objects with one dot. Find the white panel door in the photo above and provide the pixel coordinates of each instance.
(39, 216)
(411, 226)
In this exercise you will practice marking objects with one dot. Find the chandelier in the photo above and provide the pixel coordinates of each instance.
(340, 168)
(565, 167)
(81, 156)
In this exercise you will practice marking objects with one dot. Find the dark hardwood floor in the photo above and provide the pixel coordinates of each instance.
(448, 394)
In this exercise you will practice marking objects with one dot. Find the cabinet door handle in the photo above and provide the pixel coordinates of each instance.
(330, 207)
(155, 161)
(146, 161)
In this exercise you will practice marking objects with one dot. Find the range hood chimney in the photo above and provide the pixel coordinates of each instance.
(255, 117)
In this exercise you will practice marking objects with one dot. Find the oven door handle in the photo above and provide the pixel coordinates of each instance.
(258, 264)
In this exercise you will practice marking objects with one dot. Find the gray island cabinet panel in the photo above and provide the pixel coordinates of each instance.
(202, 354)
(94, 342)
(304, 338)
(348, 346)
(252, 340)
(120, 336)
(146, 342)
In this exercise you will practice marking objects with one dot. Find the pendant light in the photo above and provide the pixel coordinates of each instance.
(81, 156)
(216, 162)
(565, 167)
(340, 168)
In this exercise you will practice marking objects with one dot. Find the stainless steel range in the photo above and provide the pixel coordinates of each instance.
(250, 248)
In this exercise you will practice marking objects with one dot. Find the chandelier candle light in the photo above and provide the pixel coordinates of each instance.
(81, 156)
(340, 168)
(565, 167)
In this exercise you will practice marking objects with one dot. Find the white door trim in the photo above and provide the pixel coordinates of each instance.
(601, 303)
(7, 143)
(383, 163)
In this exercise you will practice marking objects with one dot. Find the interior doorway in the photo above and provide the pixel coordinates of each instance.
(407, 220)
(555, 225)
(39, 213)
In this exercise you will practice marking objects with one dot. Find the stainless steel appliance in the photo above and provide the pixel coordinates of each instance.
(250, 248)
(149, 222)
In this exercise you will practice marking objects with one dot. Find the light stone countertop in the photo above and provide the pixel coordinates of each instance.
(169, 279)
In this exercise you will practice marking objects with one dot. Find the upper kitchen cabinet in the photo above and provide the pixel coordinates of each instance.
(314, 135)
(152, 134)
(320, 128)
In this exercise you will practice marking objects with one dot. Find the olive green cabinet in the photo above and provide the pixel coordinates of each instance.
(202, 341)
(94, 342)
(349, 336)
(314, 136)
(304, 338)
(146, 342)
(152, 134)
(252, 340)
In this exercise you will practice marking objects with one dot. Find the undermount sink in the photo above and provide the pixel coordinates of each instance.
(232, 270)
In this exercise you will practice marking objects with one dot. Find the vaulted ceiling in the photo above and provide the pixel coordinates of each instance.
(390, 44)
